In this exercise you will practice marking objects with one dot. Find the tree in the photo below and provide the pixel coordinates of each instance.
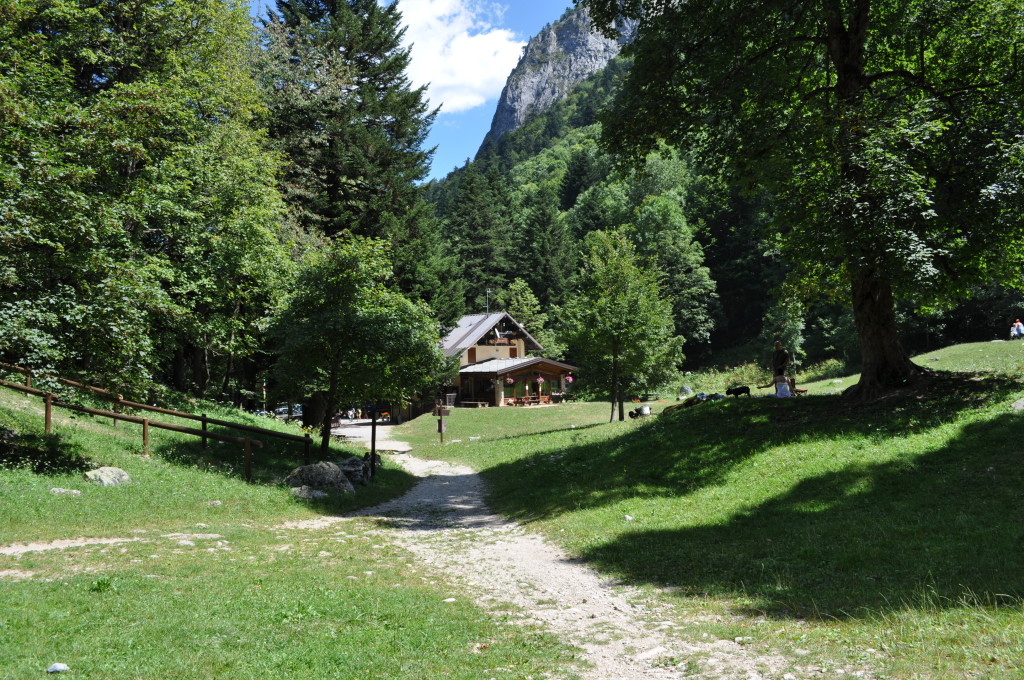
(662, 236)
(520, 302)
(545, 256)
(138, 214)
(345, 335)
(888, 131)
(479, 229)
(616, 323)
(352, 130)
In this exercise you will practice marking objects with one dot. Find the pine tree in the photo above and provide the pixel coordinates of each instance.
(352, 129)
(478, 226)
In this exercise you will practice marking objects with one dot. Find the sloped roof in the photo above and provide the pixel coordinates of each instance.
(502, 366)
(473, 327)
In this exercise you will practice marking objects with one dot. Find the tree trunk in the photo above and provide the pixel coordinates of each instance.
(200, 370)
(884, 363)
(615, 387)
(179, 369)
(330, 406)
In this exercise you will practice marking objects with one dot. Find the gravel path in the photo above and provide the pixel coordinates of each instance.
(445, 522)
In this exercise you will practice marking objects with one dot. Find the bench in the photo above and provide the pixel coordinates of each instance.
(477, 404)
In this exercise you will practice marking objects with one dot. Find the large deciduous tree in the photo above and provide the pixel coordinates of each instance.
(138, 213)
(888, 130)
(616, 323)
(345, 335)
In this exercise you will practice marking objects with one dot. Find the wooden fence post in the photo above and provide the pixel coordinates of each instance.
(204, 430)
(117, 407)
(28, 379)
(145, 436)
(49, 413)
(308, 444)
(248, 460)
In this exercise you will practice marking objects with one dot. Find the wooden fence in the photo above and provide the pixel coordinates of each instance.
(116, 415)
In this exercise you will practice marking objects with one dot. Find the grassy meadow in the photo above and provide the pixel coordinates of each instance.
(882, 537)
(201, 578)
(885, 536)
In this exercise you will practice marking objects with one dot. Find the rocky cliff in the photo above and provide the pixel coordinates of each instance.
(553, 62)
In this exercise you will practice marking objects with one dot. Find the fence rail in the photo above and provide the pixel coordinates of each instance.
(120, 402)
(50, 402)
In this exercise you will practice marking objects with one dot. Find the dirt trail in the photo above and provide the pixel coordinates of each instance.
(446, 523)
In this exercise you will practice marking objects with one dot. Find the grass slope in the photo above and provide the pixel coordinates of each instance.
(810, 524)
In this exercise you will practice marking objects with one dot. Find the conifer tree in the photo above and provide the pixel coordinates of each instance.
(353, 132)
(478, 227)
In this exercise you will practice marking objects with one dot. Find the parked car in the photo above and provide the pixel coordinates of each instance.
(282, 411)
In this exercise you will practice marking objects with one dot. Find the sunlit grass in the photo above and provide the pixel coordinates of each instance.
(883, 535)
(205, 581)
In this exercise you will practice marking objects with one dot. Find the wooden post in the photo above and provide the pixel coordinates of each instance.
(373, 444)
(145, 436)
(307, 445)
(49, 413)
(28, 379)
(248, 460)
(204, 430)
(117, 407)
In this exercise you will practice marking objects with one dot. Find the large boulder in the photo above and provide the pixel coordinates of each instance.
(323, 475)
(108, 476)
(356, 469)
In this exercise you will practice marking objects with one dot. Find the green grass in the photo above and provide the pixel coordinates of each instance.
(811, 523)
(174, 483)
(245, 599)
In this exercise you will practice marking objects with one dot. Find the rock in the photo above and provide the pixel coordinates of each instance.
(1018, 406)
(557, 59)
(356, 469)
(58, 668)
(57, 491)
(108, 476)
(324, 475)
(308, 493)
(214, 504)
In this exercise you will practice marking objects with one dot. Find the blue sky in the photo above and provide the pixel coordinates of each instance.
(464, 50)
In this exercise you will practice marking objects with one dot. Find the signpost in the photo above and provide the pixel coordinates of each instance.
(441, 412)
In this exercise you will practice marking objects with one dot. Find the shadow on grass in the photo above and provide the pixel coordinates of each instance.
(270, 463)
(277, 459)
(43, 454)
(867, 538)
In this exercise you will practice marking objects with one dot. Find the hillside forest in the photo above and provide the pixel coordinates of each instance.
(193, 202)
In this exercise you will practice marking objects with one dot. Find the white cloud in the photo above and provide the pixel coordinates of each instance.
(458, 51)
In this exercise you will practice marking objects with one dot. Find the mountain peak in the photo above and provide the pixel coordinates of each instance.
(554, 61)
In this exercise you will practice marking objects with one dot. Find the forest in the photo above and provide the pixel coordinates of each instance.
(193, 202)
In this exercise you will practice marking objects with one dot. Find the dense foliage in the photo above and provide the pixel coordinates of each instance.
(139, 218)
(165, 167)
(887, 132)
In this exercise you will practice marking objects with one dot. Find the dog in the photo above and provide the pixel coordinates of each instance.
(737, 391)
